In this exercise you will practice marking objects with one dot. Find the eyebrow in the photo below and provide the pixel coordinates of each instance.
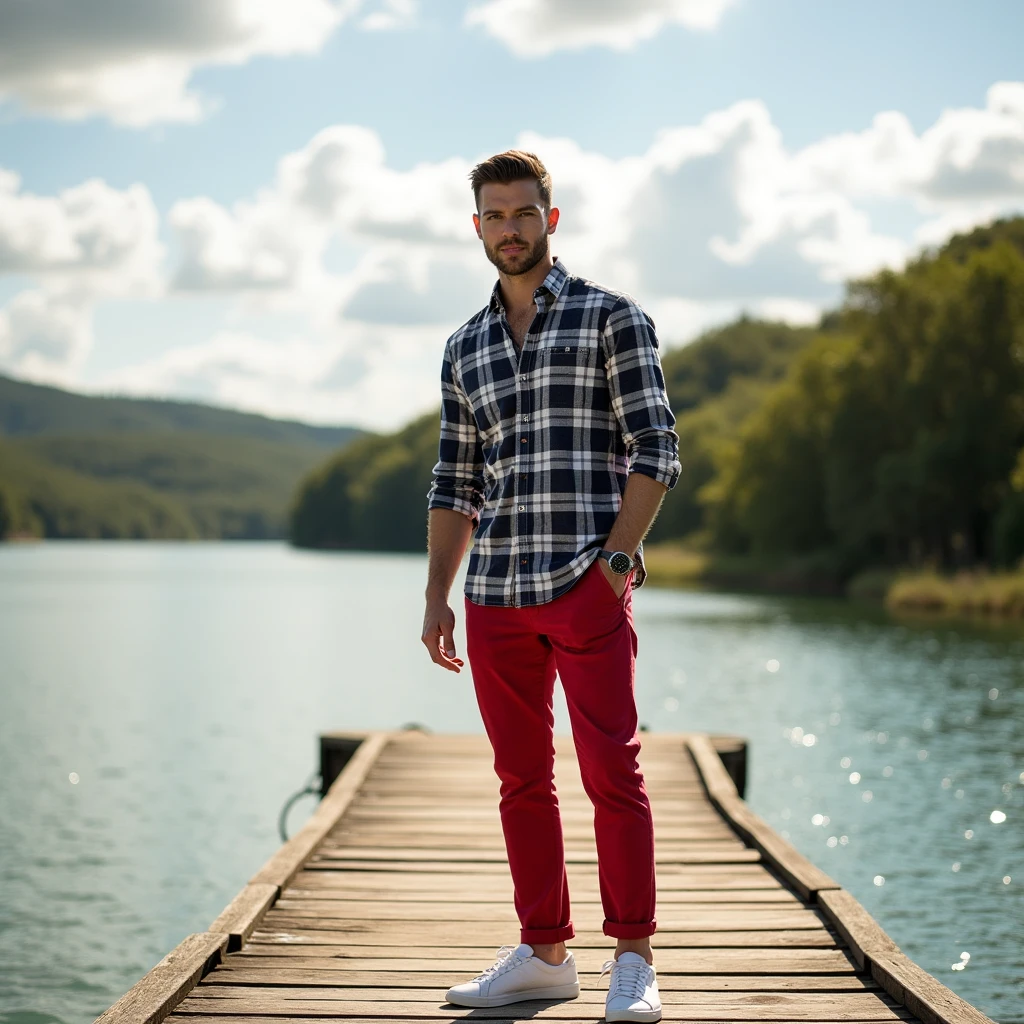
(521, 209)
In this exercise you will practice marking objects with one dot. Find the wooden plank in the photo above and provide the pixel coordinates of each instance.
(460, 936)
(858, 929)
(284, 864)
(804, 877)
(244, 912)
(694, 877)
(369, 854)
(761, 962)
(318, 976)
(699, 917)
(581, 898)
(167, 984)
(922, 994)
(683, 1006)
(904, 980)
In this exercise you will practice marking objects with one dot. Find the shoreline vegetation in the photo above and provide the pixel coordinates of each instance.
(963, 594)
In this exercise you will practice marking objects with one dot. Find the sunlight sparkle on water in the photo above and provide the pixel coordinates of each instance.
(773, 665)
(1006, 879)
(867, 796)
(74, 778)
(887, 771)
(997, 817)
(969, 834)
(993, 694)
(956, 866)
(845, 763)
(879, 880)
(854, 777)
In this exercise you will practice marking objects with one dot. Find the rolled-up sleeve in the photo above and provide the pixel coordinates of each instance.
(459, 474)
(638, 397)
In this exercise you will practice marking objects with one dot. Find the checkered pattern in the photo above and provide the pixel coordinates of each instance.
(536, 445)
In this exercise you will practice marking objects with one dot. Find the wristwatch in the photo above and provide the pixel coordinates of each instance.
(618, 561)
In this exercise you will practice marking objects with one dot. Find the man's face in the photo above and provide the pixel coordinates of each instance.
(514, 226)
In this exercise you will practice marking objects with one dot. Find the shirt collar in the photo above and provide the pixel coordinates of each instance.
(545, 296)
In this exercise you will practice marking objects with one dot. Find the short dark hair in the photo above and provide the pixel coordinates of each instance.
(512, 165)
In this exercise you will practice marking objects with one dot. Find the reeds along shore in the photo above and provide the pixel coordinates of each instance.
(973, 593)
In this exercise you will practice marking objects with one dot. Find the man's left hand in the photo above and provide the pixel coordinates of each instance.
(616, 582)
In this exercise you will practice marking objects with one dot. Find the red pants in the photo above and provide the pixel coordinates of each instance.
(587, 636)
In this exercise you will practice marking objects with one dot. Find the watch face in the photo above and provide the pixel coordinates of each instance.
(620, 563)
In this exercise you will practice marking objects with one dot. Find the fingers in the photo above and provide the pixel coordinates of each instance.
(438, 638)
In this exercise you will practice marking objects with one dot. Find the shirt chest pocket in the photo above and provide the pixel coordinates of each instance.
(566, 369)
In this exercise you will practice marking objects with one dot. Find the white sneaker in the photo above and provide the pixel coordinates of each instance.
(633, 991)
(518, 975)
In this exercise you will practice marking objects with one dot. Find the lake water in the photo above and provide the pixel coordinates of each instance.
(184, 686)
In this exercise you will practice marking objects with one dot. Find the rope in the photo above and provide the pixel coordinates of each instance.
(312, 788)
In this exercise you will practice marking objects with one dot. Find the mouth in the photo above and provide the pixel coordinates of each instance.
(512, 250)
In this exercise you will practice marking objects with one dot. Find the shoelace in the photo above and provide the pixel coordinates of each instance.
(505, 962)
(628, 979)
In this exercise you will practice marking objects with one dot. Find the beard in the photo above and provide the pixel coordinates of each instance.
(513, 266)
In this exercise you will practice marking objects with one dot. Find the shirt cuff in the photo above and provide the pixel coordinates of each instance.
(666, 472)
(456, 504)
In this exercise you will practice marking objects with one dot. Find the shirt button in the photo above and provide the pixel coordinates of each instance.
(525, 416)
(522, 561)
(522, 508)
(522, 376)
(568, 348)
(522, 440)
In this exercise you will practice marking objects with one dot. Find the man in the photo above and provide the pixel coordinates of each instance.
(557, 445)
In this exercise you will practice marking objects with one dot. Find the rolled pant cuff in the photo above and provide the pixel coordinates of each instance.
(545, 935)
(630, 931)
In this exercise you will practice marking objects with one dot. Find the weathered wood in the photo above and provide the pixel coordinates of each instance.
(858, 929)
(244, 912)
(377, 855)
(922, 994)
(281, 868)
(164, 987)
(671, 960)
(401, 888)
(318, 976)
(389, 937)
(803, 876)
(699, 1006)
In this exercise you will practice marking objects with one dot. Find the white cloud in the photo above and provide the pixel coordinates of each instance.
(712, 219)
(45, 335)
(377, 378)
(133, 62)
(392, 15)
(91, 230)
(86, 243)
(537, 28)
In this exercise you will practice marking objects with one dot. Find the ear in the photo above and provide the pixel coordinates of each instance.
(552, 220)
(476, 224)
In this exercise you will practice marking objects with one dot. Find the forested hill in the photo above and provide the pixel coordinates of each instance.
(33, 409)
(890, 434)
(75, 465)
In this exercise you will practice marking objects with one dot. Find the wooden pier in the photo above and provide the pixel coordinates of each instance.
(398, 887)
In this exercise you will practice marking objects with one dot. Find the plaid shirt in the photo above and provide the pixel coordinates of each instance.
(536, 444)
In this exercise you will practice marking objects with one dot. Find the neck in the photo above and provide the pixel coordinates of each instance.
(517, 292)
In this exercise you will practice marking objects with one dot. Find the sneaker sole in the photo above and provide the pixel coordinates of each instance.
(557, 992)
(644, 1016)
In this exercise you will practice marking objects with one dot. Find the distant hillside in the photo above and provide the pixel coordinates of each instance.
(30, 409)
(373, 495)
(81, 466)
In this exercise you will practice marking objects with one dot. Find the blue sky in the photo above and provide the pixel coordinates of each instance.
(266, 208)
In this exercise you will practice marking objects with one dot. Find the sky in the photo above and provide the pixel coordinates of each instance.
(265, 205)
